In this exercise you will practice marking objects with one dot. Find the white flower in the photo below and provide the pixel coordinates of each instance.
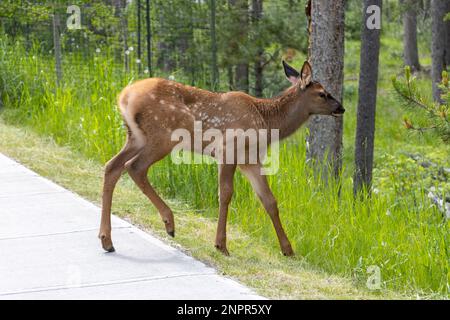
(97, 50)
(138, 61)
(171, 77)
(130, 48)
(127, 52)
(146, 71)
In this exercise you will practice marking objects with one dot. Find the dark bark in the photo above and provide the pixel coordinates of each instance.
(365, 126)
(410, 49)
(438, 34)
(242, 79)
(447, 39)
(327, 59)
(258, 68)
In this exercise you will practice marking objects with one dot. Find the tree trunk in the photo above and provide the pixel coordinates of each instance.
(257, 10)
(327, 59)
(242, 79)
(214, 66)
(438, 34)
(447, 40)
(365, 126)
(57, 47)
(410, 50)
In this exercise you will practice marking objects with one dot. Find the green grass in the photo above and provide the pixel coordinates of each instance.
(397, 230)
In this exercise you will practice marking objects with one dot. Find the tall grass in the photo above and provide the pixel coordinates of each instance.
(406, 237)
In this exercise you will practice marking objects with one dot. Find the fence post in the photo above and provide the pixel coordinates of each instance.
(215, 70)
(139, 51)
(149, 40)
(57, 47)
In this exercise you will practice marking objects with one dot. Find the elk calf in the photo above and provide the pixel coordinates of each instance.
(153, 108)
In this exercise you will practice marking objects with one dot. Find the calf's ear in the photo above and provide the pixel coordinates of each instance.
(291, 74)
(306, 75)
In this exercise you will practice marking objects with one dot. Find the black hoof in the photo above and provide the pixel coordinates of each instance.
(171, 233)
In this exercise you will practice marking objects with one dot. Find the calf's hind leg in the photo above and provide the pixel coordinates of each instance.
(262, 189)
(226, 175)
(113, 170)
(137, 169)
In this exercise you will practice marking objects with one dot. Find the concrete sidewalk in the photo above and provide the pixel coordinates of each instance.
(49, 250)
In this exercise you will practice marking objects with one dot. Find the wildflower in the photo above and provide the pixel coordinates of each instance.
(127, 52)
(97, 50)
(171, 77)
(138, 61)
(130, 48)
